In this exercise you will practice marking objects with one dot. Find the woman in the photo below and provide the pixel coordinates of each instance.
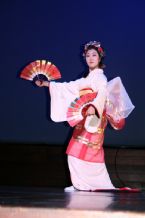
(85, 150)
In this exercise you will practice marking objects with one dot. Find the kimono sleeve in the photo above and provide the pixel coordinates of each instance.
(118, 103)
(62, 94)
(116, 124)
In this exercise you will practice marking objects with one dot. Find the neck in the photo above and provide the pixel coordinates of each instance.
(95, 68)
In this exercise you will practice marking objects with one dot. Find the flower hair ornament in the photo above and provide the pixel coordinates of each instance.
(96, 45)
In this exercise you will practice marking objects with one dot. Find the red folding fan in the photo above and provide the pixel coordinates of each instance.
(40, 67)
(74, 112)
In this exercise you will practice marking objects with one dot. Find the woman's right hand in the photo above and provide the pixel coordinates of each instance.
(42, 83)
(90, 111)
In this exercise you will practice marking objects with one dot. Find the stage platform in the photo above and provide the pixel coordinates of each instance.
(20, 202)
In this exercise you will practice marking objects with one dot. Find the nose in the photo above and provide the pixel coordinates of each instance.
(91, 58)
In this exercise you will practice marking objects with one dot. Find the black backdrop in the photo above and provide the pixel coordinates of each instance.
(55, 30)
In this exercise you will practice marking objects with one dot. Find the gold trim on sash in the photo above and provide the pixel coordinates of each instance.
(100, 130)
(96, 145)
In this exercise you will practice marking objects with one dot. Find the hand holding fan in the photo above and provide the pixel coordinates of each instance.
(74, 112)
(40, 67)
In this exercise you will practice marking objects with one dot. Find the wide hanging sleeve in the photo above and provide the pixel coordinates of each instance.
(118, 103)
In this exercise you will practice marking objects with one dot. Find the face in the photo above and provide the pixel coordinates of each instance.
(92, 59)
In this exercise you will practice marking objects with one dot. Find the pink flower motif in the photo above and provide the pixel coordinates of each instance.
(100, 49)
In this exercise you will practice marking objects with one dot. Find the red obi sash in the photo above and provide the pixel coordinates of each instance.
(87, 146)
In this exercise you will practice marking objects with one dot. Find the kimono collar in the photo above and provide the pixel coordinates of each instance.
(98, 70)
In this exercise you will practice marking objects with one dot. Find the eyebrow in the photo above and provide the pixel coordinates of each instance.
(92, 52)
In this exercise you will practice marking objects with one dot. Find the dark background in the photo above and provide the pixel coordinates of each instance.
(55, 30)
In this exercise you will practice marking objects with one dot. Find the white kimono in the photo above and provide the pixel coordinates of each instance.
(62, 94)
(113, 93)
(112, 96)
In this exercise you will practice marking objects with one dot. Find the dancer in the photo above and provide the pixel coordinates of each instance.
(112, 104)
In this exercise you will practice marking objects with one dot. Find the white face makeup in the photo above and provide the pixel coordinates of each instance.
(92, 59)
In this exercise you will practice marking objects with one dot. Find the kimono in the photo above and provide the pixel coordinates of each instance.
(85, 150)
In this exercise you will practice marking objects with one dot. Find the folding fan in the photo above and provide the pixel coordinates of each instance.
(40, 67)
(74, 112)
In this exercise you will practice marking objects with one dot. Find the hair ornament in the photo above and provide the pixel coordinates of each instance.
(96, 45)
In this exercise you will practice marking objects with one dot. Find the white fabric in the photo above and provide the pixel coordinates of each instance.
(62, 94)
(88, 175)
(92, 123)
(118, 104)
(70, 189)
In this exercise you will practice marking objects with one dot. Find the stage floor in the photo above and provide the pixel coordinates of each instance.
(54, 202)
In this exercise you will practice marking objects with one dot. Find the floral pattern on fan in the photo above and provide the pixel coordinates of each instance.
(40, 67)
(74, 112)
